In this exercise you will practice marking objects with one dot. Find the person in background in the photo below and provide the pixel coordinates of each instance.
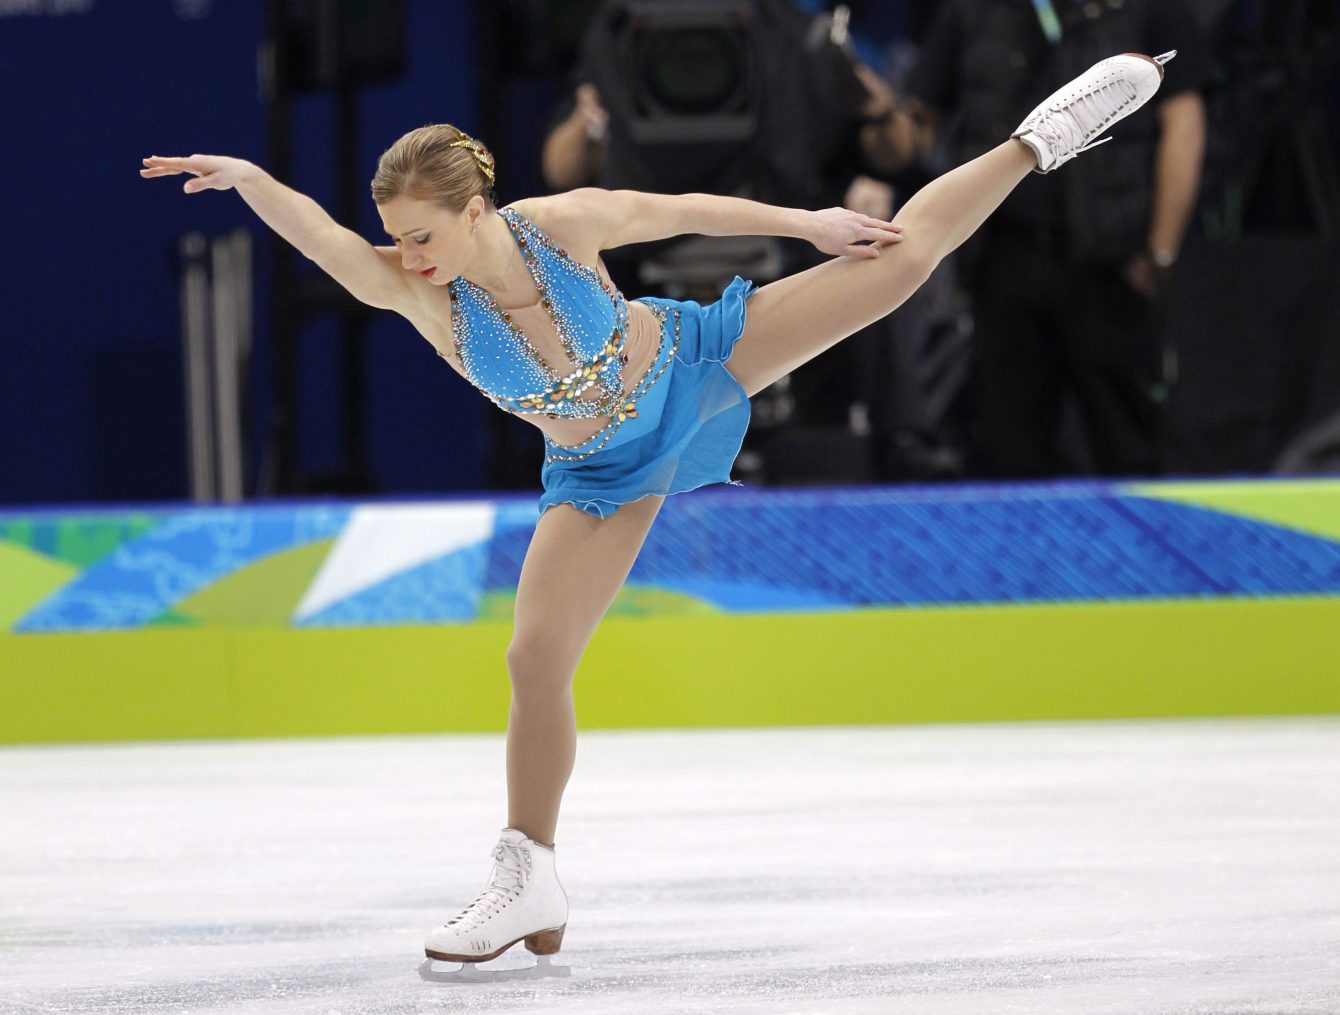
(1066, 279)
(821, 113)
(574, 151)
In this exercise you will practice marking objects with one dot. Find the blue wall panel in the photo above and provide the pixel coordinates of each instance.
(91, 401)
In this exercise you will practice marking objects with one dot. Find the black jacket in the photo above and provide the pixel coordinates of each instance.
(986, 63)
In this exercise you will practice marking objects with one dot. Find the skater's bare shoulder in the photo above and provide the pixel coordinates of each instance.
(574, 220)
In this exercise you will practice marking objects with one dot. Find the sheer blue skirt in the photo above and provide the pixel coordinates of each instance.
(690, 422)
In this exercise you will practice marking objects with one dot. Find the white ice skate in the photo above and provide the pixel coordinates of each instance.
(522, 901)
(1070, 120)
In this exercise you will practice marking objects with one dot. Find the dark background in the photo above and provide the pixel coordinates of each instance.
(92, 407)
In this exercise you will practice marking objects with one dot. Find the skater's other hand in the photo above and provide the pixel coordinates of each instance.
(212, 172)
(843, 232)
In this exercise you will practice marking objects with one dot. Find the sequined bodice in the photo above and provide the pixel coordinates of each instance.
(590, 319)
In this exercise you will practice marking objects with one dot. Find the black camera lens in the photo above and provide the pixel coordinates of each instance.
(690, 72)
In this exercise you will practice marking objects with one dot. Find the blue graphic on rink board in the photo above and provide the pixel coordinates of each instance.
(728, 550)
(184, 552)
(983, 545)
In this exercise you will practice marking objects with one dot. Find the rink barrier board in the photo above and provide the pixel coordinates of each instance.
(303, 566)
(745, 607)
(1221, 657)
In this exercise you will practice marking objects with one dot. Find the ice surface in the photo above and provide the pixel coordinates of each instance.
(1133, 867)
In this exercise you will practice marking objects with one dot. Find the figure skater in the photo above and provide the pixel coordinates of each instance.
(636, 399)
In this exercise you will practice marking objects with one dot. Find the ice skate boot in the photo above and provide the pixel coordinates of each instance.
(522, 901)
(1070, 120)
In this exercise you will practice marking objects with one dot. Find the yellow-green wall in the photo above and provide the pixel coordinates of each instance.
(961, 664)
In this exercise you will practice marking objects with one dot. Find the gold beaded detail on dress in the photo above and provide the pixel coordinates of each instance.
(625, 408)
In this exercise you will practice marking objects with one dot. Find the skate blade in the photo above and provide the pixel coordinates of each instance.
(438, 971)
(1164, 58)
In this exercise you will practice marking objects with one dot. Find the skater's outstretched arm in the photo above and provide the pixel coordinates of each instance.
(373, 277)
(598, 220)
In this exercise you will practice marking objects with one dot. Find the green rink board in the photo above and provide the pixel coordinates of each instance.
(962, 664)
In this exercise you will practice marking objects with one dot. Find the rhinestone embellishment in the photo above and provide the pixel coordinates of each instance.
(589, 318)
(624, 408)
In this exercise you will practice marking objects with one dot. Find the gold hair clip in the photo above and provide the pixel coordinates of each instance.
(480, 153)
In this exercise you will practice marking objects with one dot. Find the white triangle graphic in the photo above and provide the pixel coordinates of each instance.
(379, 542)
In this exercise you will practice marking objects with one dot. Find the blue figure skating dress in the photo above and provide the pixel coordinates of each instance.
(678, 428)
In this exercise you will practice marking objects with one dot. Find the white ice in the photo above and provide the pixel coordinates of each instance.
(1133, 867)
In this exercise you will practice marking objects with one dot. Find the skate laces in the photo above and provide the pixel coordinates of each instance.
(510, 870)
(1066, 129)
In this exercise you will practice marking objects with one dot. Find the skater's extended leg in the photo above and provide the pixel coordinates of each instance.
(795, 319)
(573, 569)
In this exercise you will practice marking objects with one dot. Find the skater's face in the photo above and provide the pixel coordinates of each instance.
(433, 241)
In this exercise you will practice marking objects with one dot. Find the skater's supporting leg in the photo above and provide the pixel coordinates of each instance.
(573, 569)
(793, 320)
(576, 563)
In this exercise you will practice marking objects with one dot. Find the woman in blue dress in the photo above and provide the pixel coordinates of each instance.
(637, 399)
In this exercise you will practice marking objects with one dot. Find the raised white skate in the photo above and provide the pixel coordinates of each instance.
(522, 901)
(1071, 119)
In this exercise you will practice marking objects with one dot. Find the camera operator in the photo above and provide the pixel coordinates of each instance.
(816, 110)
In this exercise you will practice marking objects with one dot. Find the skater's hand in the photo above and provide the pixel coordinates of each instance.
(843, 232)
(212, 172)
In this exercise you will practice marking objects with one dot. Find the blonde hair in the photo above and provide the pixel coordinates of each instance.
(437, 163)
